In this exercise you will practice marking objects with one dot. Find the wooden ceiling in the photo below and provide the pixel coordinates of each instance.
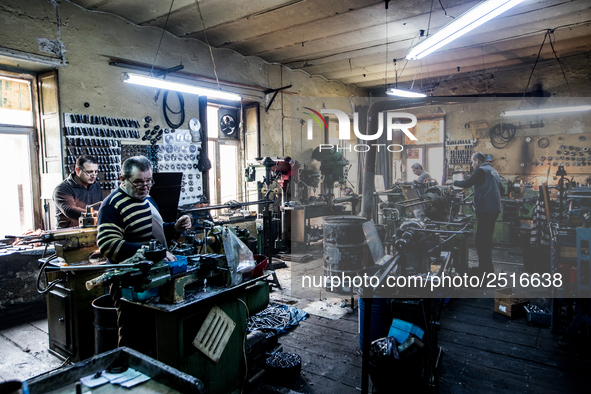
(360, 42)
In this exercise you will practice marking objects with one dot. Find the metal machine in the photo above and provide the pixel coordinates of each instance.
(69, 311)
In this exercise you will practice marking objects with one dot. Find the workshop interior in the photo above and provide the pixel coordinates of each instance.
(295, 196)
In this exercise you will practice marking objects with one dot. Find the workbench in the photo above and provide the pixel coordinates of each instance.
(166, 331)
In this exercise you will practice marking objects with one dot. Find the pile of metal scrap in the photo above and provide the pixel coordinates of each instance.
(278, 318)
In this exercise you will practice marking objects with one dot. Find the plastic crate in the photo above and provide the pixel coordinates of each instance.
(541, 318)
(179, 265)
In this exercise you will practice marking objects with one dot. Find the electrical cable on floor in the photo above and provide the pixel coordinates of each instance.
(244, 345)
(66, 361)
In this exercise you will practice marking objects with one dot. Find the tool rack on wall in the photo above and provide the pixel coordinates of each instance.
(113, 140)
(102, 137)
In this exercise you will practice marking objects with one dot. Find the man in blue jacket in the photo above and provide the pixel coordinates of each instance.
(77, 191)
(487, 205)
(129, 217)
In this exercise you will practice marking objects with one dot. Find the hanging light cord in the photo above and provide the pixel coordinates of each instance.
(444, 11)
(161, 37)
(535, 64)
(549, 34)
(207, 42)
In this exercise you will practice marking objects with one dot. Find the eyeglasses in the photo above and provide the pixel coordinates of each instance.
(141, 185)
(89, 173)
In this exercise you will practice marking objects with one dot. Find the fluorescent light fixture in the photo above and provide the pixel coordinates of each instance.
(556, 110)
(404, 93)
(469, 20)
(178, 87)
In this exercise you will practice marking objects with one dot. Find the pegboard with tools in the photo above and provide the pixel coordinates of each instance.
(459, 154)
(149, 151)
(180, 154)
(532, 155)
(99, 136)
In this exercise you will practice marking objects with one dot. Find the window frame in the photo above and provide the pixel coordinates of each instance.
(33, 133)
(216, 142)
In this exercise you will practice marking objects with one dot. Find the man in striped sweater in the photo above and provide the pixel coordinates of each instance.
(129, 217)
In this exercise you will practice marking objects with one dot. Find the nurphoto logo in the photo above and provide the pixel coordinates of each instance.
(345, 129)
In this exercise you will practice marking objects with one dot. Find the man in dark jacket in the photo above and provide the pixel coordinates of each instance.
(418, 170)
(77, 191)
(487, 205)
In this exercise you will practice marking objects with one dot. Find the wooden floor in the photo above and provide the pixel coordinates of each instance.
(483, 352)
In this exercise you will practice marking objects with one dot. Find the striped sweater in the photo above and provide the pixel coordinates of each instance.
(125, 224)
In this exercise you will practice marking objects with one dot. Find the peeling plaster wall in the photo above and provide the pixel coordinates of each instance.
(465, 121)
(91, 38)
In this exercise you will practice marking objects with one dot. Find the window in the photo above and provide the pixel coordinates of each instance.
(428, 150)
(224, 154)
(16, 155)
(15, 104)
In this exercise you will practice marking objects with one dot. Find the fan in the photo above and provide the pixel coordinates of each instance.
(228, 125)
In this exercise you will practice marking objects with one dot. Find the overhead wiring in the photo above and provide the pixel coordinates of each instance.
(162, 36)
(208, 45)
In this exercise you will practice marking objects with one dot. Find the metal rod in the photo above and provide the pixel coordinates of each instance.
(414, 203)
(89, 267)
(222, 206)
(426, 230)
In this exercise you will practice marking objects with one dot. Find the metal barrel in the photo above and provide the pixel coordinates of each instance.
(106, 333)
(344, 250)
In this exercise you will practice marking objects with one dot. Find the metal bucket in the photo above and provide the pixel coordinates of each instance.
(106, 335)
(344, 250)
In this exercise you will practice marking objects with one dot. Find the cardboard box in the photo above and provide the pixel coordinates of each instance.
(509, 304)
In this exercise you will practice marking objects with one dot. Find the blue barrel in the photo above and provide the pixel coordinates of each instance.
(381, 319)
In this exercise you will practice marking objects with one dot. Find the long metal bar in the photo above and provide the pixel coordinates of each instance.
(95, 267)
(426, 230)
(222, 206)
(414, 203)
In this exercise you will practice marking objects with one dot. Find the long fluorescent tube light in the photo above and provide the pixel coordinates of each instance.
(178, 87)
(469, 20)
(404, 93)
(556, 110)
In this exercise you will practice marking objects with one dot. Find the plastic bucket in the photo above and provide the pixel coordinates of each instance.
(106, 333)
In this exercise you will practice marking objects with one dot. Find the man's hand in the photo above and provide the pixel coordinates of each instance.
(169, 256)
(449, 182)
(183, 223)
